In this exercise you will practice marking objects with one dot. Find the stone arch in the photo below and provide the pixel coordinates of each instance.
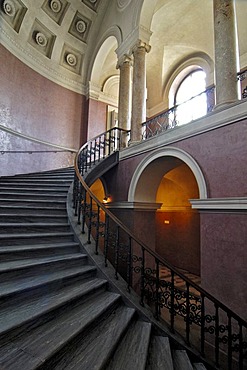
(112, 37)
(152, 168)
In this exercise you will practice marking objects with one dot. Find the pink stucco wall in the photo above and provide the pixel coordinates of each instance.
(36, 107)
(221, 154)
(97, 116)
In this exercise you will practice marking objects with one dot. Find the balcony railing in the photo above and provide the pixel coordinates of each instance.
(205, 323)
(179, 114)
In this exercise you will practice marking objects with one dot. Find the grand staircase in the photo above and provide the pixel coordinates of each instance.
(56, 312)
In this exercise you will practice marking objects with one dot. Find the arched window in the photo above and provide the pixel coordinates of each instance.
(189, 97)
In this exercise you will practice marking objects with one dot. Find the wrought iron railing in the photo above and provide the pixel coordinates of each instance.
(242, 76)
(175, 116)
(217, 332)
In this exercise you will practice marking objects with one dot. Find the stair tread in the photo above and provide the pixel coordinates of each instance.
(30, 235)
(24, 283)
(31, 247)
(133, 350)
(21, 312)
(199, 366)
(44, 340)
(95, 350)
(160, 354)
(181, 360)
(23, 224)
(18, 264)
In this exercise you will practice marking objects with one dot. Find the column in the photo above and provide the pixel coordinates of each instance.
(139, 90)
(124, 100)
(226, 52)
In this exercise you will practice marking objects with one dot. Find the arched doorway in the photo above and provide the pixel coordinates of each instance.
(170, 177)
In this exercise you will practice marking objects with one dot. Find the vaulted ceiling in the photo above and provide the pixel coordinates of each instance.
(74, 42)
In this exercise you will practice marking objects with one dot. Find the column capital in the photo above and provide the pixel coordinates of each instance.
(124, 59)
(141, 44)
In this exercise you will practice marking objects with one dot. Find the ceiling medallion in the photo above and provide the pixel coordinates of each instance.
(122, 3)
(81, 26)
(41, 39)
(71, 59)
(9, 7)
(55, 6)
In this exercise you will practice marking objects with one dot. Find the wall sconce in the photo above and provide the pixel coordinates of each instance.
(106, 199)
(167, 222)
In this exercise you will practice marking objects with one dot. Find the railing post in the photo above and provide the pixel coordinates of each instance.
(202, 325)
(106, 239)
(172, 308)
(90, 220)
(117, 253)
(217, 335)
(97, 230)
(187, 312)
(157, 280)
(142, 277)
(129, 265)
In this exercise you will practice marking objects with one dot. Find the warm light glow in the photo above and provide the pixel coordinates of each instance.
(166, 222)
(105, 200)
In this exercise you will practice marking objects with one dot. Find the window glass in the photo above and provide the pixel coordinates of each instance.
(192, 103)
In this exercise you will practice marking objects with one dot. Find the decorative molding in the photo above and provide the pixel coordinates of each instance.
(122, 4)
(13, 12)
(56, 9)
(38, 64)
(80, 27)
(237, 204)
(137, 206)
(42, 38)
(220, 118)
(92, 4)
(71, 59)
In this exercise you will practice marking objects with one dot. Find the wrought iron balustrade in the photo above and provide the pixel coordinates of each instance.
(173, 116)
(242, 76)
(205, 323)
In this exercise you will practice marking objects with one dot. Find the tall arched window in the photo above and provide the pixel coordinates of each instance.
(189, 97)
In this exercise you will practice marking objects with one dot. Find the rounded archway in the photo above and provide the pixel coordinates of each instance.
(171, 177)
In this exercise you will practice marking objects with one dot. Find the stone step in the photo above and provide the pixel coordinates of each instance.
(35, 238)
(32, 208)
(34, 185)
(32, 227)
(181, 360)
(31, 189)
(160, 354)
(20, 313)
(38, 181)
(33, 195)
(32, 217)
(11, 270)
(199, 366)
(97, 347)
(132, 352)
(17, 252)
(43, 342)
(33, 202)
(42, 281)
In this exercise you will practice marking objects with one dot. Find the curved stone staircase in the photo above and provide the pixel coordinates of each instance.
(56, 312)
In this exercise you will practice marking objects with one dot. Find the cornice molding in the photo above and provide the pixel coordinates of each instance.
(220, 204)
(137, 206)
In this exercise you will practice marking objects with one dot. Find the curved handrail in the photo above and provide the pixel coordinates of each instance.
(199, 308)
(35, 140)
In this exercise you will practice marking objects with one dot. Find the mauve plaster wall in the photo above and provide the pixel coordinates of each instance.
(224, 258)
(97, 113)
(36, 107)
(221, 154)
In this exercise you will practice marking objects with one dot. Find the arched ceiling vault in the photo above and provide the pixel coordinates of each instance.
(74, 42)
